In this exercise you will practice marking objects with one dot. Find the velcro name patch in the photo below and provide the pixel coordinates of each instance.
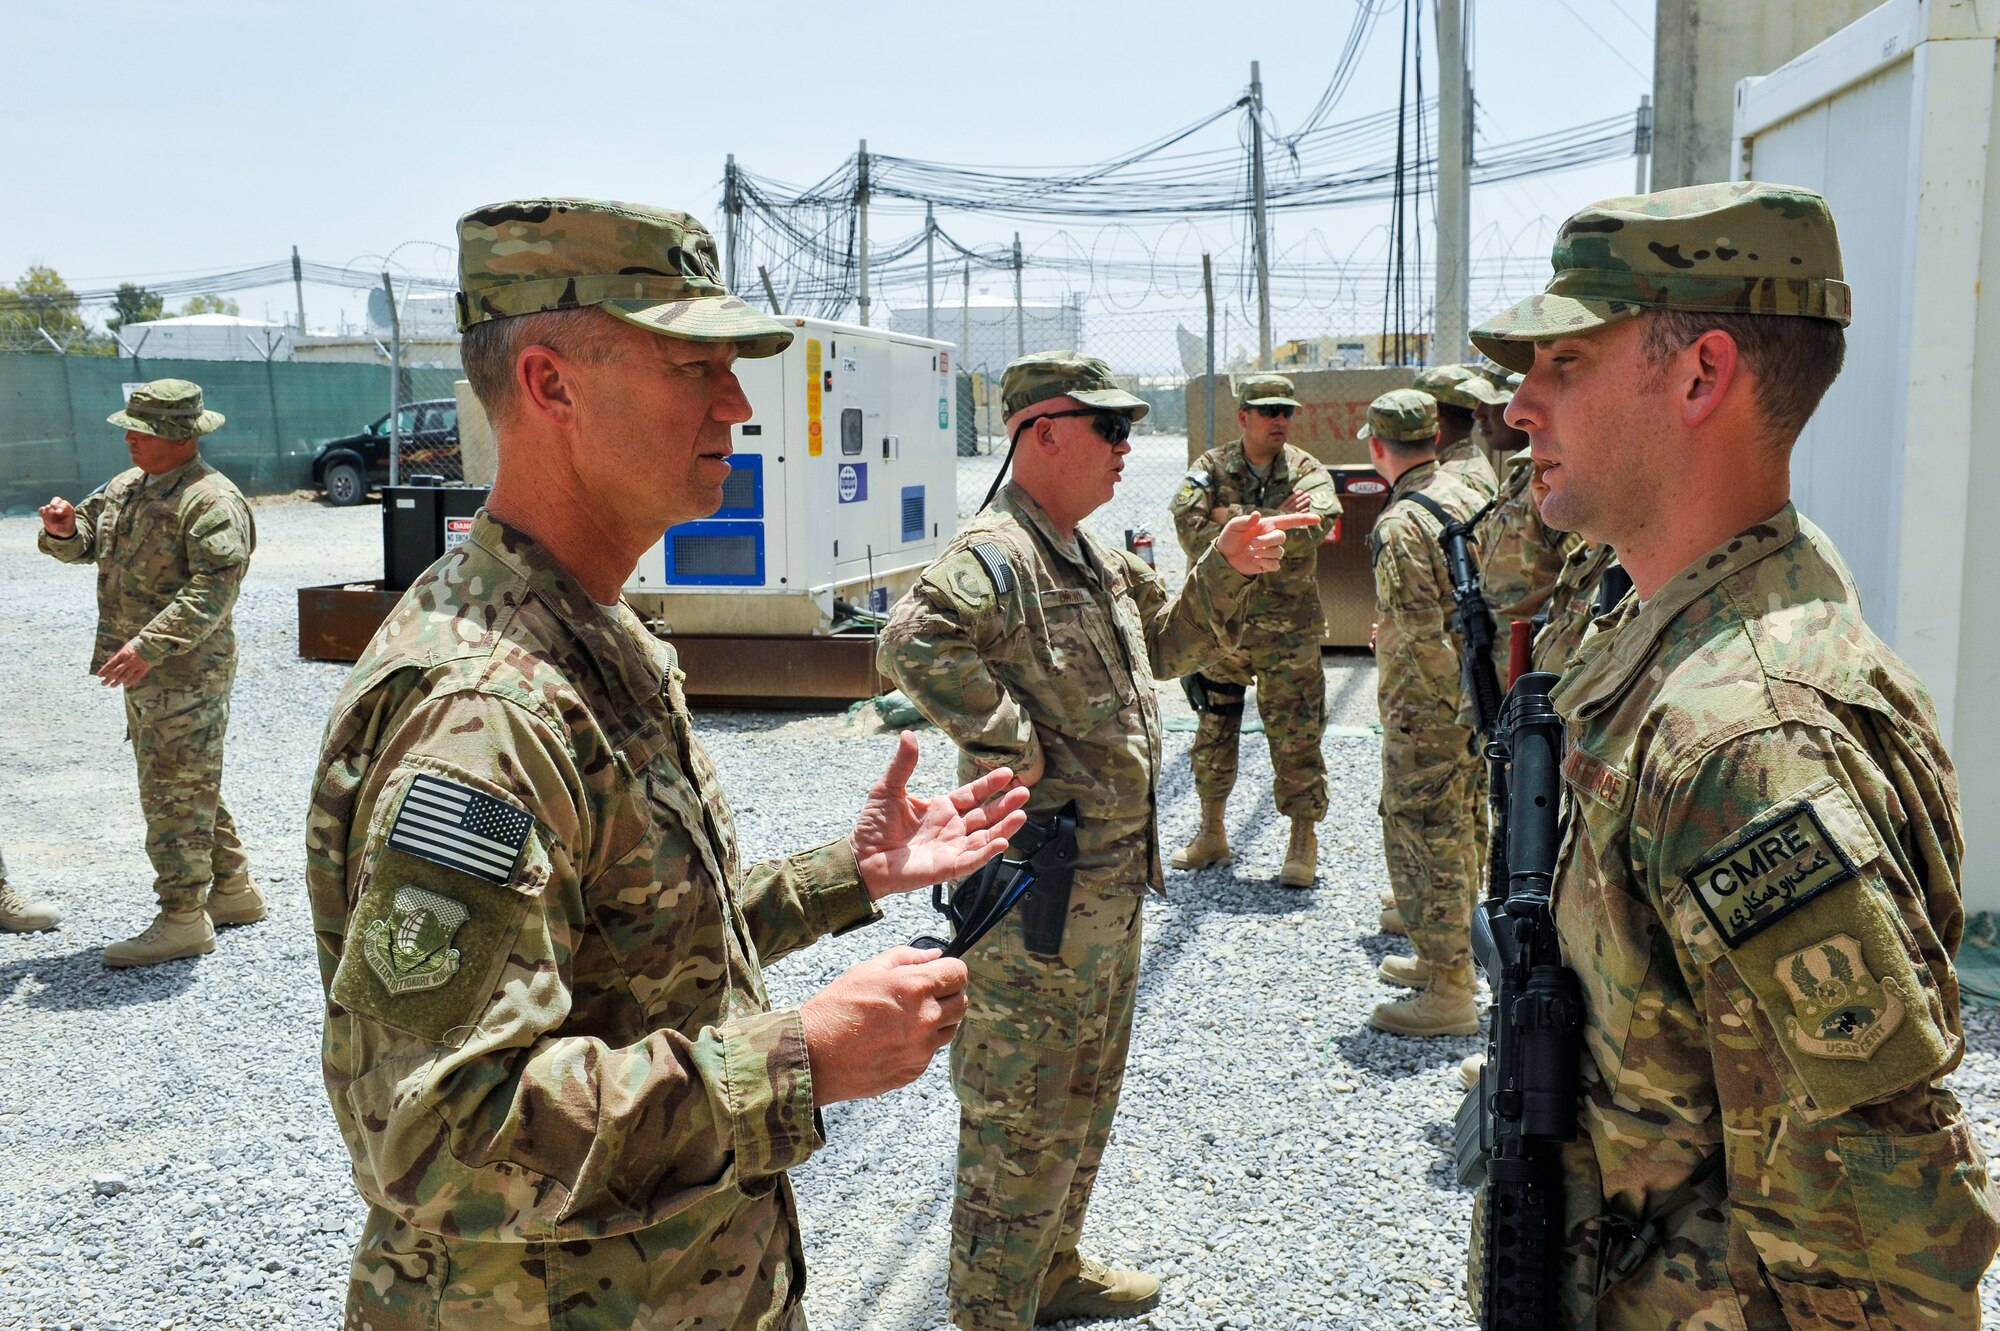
(460, 828)
(1775, 866)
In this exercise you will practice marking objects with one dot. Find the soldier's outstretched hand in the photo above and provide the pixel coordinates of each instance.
(126, 667)
(903, 842)
(59, 518)
(876, 1027)
(1254, 543)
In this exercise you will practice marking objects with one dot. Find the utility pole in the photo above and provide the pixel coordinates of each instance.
(861, 202)
(930, 273)
(1208, 296)
(395, 382)
(965, 323)
(1454, 186)
(298, 290)
(1020, 323)
(1642, 146)
(770, 292)
(730, 207)
(1262, 235)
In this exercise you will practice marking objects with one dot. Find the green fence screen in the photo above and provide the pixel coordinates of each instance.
(54, 438)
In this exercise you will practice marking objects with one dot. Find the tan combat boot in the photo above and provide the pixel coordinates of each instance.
(1388, 899)
(235, 902)
(1083, 1287)
(22, 914)
(1448, 1005)
(1469, 1070)
(1392, 922)
(1210, 846)
(1301, 856)
(171, 936)
(1410, 972)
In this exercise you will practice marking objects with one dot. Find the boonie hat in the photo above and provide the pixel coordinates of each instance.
(168, 409)
(1737, 248)
(1460, 386)
(654, 268)
(1266, 390)
(1048, 374)
(1401, 416)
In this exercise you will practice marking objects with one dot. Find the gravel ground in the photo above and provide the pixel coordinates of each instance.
(175, 1164)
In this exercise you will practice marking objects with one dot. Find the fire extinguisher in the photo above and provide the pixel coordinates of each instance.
(1140, 542)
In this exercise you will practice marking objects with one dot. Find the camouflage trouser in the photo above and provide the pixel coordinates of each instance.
(176, 736)
(1433, 837)
(1037, 1065)
(1291, 700)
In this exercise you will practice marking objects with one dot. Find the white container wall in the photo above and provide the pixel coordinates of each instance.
(1893, 119)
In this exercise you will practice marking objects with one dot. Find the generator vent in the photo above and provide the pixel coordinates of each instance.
(913, 513)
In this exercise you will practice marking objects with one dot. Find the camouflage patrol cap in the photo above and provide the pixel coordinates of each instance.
(1048, 374)
(1460, 386)
(168, 409)
(1401, 416)
(1737, 248)
(651, 267)
(1265, 390)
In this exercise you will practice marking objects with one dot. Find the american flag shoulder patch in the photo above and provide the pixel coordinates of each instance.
(461, 828)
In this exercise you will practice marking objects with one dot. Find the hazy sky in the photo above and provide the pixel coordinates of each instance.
(142, 140)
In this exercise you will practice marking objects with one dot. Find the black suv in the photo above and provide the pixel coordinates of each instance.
(346, 468)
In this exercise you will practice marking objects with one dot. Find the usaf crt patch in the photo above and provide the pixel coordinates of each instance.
(1779, 863)
(411, 949)
(1839, 1008)
(460, 828)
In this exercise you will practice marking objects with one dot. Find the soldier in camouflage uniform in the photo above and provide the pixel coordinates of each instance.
(1034, 644)
(1433, 805)
(547, 1043)
(21, 913)
(1520, 555)
(1572, 604)
(1282, 627)
(171, 539)
(1459, 391)
(1759, 887)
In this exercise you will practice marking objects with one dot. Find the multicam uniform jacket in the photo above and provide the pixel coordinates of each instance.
(1572, 604)
(1285, 600)
(170, 560)
(1519, 556)
(1468, 461)
(1060, 667)
(1419, 686)
(1759, 890)
(547, 1041)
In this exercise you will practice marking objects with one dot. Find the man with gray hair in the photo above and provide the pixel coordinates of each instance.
(547, 1041)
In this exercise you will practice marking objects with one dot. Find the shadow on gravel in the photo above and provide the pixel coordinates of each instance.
(1396, 1057)
(79, 982)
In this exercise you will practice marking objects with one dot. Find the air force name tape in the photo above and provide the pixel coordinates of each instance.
(460, 828)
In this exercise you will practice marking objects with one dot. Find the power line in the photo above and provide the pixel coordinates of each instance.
(1604, 41)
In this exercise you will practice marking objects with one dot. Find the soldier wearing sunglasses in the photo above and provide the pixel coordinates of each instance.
(1262, 473)
(1037, 646)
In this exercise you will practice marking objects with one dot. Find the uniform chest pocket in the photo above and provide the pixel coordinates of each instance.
(1078, 653)
(661, 912)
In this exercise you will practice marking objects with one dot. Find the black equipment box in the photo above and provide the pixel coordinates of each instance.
(420, 522)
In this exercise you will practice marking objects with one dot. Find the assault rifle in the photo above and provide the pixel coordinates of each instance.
(1471, 617)
(1510, 1124)
(1034, 873)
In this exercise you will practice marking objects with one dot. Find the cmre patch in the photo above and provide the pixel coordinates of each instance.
(1776, 865)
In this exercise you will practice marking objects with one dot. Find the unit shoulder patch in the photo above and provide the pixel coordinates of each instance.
(1839, 1009)
(1777, 864)
(410, 949)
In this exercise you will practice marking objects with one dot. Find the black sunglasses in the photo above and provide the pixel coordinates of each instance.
(1113, 426)
(1271, 413)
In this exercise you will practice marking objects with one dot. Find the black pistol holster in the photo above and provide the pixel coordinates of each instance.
(1213, 697)
(1033, 874)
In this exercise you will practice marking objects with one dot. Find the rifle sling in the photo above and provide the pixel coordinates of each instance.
(1641, 1237)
